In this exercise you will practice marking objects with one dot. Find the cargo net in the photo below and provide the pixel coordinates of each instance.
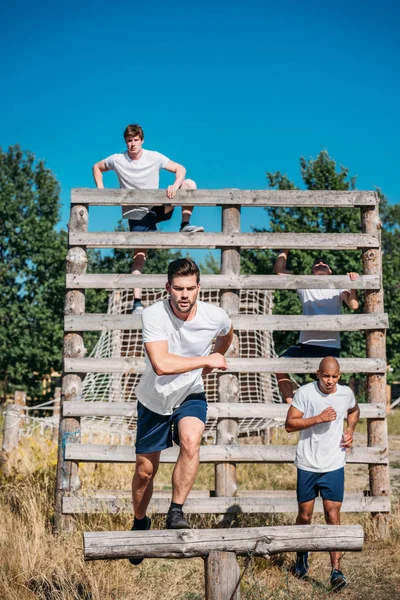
(107, 387)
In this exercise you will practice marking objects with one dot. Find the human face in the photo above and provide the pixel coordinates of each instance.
(321, 268)
(183, 293)
(134, 145)
(328, 379)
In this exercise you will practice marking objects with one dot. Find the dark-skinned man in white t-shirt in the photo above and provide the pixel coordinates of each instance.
(315, 344)
(318, 412)
(139, 169)
(177, 333)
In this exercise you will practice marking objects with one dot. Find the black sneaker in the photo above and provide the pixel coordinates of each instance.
(176, 520)
(301, 565)
(138, 561)
(338, 580)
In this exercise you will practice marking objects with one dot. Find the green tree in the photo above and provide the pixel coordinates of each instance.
(32, 271)
(322, 173)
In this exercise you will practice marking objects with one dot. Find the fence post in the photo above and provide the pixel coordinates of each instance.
(56, 413)
(376, 348)
(71, 387)
(11, 425)
(218, 575)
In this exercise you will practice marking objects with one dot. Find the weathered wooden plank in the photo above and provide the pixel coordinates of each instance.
(188, 543)
(216, 410)
(216, 282)
(299, 241)
(353, 322)
(235, 365)
(211, 454)
(117, 503)
(280, 198)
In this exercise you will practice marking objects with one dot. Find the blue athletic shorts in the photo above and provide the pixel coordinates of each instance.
(156, 432)
(330, 486)
(310, 351)
(148, 223)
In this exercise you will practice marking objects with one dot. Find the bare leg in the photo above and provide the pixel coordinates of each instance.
(285, 387)
(188, 184)
(142, 482)
(305, 514)
(190, 431)
(332, 517)
(139, 260)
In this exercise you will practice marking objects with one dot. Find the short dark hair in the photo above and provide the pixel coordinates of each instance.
(183, 267)
(133, 131)
(321, 259)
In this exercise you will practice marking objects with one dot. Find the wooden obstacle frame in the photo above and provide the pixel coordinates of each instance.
(226, 453)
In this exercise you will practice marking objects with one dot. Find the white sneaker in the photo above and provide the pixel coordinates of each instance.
(191, 229)
(138, 309)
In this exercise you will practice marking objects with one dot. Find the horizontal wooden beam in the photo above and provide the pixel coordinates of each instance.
(277, 503)
(216, 282)
(211, 454)
(216, 410)
(189, 543)
(278, 198)
(149, 239)
(353, 322)
(235, 365)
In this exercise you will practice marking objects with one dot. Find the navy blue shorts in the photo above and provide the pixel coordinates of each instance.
(310, 351)
(330, 486)
(149, 222)
(156, 432)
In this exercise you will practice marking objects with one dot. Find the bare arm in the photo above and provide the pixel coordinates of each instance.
(296, 422)
(350, 298)
(180, 173)
(98, 169)
(280, 264)
(222, 344)
(353, 414)
(165, 363)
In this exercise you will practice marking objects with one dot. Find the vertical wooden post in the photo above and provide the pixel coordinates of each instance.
(222, 576)
(71, 387)
(376, 348)
(20, 400)
(11, 425)
(115, 389)
(56, 413)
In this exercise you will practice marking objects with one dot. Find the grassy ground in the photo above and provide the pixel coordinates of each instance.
(37, 565)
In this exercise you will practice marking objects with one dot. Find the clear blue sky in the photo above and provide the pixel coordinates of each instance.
(228, 89)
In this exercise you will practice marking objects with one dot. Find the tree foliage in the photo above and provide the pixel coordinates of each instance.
(323, 173)
(32, 271)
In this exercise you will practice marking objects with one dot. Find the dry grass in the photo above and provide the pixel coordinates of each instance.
(37, 565)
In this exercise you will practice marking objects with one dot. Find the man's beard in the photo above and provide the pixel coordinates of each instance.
(183, 309)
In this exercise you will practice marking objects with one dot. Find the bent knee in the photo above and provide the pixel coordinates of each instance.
(189, 445)
(189, 184)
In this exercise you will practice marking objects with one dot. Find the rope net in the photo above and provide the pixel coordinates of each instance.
(117, 387)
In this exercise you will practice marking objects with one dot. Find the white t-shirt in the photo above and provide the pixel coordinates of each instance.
(321, 302)
(142, 174)
(319, 448)
(162, 394)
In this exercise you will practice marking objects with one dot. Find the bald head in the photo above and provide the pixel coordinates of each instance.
(328, 375)
(329, 363)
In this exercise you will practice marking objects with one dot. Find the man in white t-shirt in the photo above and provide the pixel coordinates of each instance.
(318, 411)
(139, 169)
(315, 344)
(177, 335)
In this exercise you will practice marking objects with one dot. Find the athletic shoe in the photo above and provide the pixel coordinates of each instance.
(301, 565)
(191, 229)
(176, 520)
(137, 308)
(338, 580)
(138, 561)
